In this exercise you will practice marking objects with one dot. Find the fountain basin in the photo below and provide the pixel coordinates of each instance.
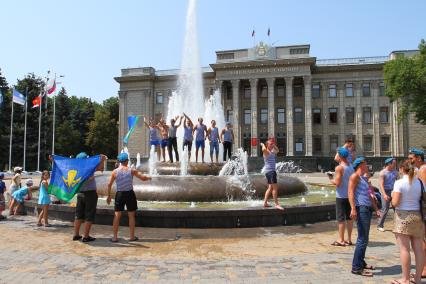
(205, 188)
(202, 169)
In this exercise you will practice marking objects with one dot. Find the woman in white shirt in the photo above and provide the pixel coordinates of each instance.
(408, 224)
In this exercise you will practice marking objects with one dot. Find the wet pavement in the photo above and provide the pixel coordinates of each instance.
(290, 254)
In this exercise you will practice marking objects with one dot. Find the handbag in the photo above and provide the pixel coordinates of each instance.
(422, 201)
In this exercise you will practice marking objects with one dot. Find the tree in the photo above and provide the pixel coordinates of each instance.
(405, 80)
(67, 140)
(5, 109)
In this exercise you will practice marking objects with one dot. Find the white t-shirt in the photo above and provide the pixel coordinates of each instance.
(410, 194)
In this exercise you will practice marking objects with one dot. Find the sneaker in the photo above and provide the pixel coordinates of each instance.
(75, 238)
(381, 229)
(88, 239)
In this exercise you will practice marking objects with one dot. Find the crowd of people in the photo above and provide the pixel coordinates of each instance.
(163, 137)
(357, 201)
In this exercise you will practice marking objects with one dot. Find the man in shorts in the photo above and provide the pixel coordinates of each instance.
(200, 136)
(87, 200)
(343, 208)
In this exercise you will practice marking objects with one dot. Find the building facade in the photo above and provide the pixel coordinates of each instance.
(309, 105)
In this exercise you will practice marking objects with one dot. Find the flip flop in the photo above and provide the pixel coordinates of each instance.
(113, 241)
(369, 267)
(348, 243)
(362, 273)
(337, 244)
(134, 240)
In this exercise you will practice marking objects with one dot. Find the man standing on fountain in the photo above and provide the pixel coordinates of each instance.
(188, 129)
(164, 137)
(200, 136)
(172, 138)
(213, 135)
(227, 137)
(270, 152)
(154, 140)
(125, 196)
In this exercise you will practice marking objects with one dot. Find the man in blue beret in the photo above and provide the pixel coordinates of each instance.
(387, 178)
(343, 208)
(124, 196)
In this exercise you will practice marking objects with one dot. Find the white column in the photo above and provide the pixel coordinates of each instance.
(308, 115)
(325, 119)
(358, 119)
(289, 114)
(236, 112)
(376, 118)
(342, 112)
(253, 89)
(271, 107)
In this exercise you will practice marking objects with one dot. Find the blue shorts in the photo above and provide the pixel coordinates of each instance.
(199, 143)
(271, 177)
(214, 146)
(164, 143)
(155, 142)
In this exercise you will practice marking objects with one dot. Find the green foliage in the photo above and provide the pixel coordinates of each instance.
(81, 125)
(405, 79)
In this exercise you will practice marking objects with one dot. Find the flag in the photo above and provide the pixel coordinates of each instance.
(132, 121)
(269, 31)
(253, 33)
(37, 102)
(69, 174)
(1, 97)
(18, 97)
(52, 88)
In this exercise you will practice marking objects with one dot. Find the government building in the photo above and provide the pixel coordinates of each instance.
(309, 105)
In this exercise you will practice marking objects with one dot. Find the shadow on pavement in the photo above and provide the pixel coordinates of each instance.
(105, 242)
(390, 270)
(380, 244)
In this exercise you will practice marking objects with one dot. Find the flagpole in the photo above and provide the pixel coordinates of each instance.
(25, 127)
(11, 133)
(39, 130)
(54, 116)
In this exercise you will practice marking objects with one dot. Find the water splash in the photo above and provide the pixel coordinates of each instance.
(288, 168)
(152, 162)
(138, 160)
(184, 163)
(237, 165)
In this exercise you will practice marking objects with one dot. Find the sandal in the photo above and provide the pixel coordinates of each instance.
(338, 244)
(134, 239)
(362, 272)
(369, 267)
(113, 241)
(348, 243)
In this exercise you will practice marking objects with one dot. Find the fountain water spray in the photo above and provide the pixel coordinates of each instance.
(152, 162)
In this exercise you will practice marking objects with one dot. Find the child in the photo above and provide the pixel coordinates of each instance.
(18, 197)
(44, 199)
(2, 200)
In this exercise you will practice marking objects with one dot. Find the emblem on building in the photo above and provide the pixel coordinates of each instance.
(262, 49)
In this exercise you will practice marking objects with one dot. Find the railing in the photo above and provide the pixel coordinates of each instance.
(352, 61)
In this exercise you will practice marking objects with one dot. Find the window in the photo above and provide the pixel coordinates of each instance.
(280, 91)
(366, 89)
(298, 115)
(264, 116)
(264, 92)
(228, 92)
(384, 143)
(332, 91)
(247, 116)
(316, 90)
(382, 89)
(350, 115)
(384, 114)
(349, 90)
(281, 116)
(299, 145)
(247, 93)
(334, 143)
(317, 147)
(229, 116)
(368, 143)
(333, 114)
(316, 116)
(159, 98)
(298, 90)
(366, 115)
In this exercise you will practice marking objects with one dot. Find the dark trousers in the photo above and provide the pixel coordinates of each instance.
(173, 144)
(385, 209)
(227, 148)
(363, 225)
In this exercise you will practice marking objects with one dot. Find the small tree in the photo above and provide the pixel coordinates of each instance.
(405, 79)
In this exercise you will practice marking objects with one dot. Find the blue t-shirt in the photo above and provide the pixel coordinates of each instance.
(2, 187)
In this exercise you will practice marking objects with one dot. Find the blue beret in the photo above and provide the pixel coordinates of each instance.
(389, 160)
(358, 161)
(343, 152)
(82, 155)
(123, 157)
(416, 151)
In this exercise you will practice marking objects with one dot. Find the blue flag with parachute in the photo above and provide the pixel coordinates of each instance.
(69, 174)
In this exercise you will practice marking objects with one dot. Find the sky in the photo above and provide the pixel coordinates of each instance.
(90, 41)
